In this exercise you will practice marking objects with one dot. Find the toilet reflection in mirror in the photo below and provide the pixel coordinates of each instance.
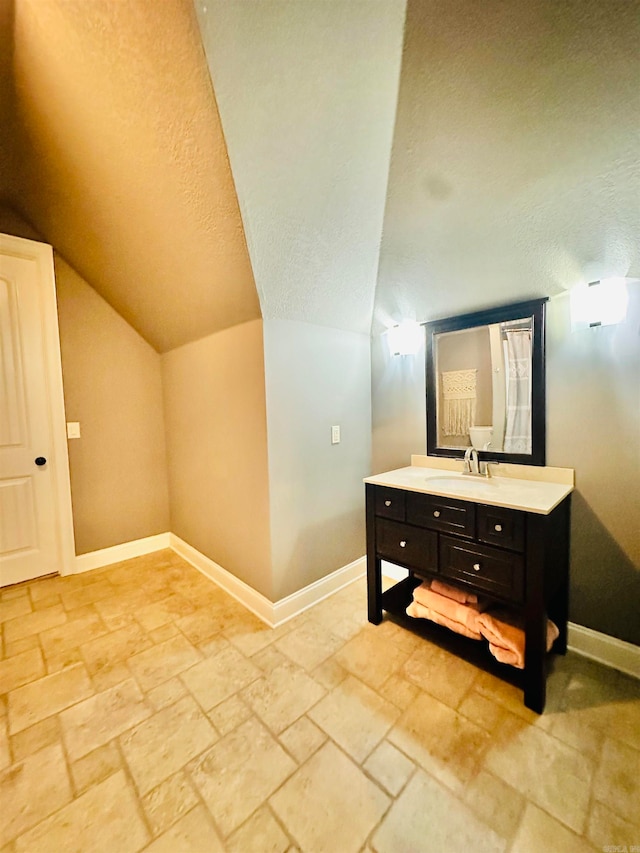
(484, 387)
(481, 437)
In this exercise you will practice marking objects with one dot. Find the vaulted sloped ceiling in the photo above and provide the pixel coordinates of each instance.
(307, 91)
(122, 163)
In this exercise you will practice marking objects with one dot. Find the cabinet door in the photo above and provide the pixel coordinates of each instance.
(389, 503)
(408, 546)
(500, 526)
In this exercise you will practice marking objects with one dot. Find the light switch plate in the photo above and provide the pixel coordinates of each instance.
(73, 429)
(335, 435)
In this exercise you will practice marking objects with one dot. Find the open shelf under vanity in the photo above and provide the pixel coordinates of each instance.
(395, 602)
(513, 552)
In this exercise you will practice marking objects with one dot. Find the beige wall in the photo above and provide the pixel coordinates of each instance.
(112, 386)
(214, 397)
(12, 223)
(398, 406)
(593, 425)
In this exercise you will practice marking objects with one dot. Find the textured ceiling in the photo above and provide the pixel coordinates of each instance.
(307, 93)
(515, 168)
(123, 165)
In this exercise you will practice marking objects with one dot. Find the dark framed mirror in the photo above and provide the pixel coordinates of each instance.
(485, 384)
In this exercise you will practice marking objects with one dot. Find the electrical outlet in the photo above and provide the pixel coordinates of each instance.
(335, 435)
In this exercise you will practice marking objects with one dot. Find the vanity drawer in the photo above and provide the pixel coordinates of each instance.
(410, 546)
(500, 526)
(448, 515)
(488, 569)
(390, 503)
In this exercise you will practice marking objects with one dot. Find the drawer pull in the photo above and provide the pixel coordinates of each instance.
(476, 567)
(436, 513)
(498, 528)
(403, 544)
(387, 503)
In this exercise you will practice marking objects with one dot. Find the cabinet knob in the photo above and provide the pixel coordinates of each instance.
(403, 544)
(387, 503)
(436, 513)
(476, 567)
(498, 528)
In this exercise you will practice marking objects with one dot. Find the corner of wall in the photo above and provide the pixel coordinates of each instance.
(215, 415)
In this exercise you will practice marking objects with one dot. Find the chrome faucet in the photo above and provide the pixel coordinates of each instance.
(471, 461)
(473, 467)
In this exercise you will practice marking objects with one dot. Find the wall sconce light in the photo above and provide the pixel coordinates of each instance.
(599, 303)
(405, 338)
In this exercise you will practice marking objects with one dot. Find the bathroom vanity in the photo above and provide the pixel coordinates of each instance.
(505, 538)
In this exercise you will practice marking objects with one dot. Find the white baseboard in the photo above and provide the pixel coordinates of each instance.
(241, 591)
(303, 599)
(272, 613)
(604, 649)
(117, 553)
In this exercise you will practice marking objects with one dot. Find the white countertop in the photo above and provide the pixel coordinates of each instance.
(536, 491)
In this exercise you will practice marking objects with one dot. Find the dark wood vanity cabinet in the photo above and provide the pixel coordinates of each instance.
(514, 558)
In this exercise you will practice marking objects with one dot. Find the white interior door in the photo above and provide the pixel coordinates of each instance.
(36, 529)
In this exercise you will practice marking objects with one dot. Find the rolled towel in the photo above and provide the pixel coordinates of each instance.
(419, 611)
(453, 592)
(505, 633)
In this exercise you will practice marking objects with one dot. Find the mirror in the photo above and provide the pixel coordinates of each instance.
(485, 384)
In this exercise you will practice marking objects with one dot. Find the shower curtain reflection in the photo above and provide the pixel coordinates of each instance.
(517, 437)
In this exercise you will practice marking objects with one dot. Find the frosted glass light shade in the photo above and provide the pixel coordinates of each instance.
(405, 339)
(600, 303)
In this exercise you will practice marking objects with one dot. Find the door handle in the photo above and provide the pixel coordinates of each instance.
(40, 460)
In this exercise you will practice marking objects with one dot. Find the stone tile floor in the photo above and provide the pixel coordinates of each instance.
(142, 708)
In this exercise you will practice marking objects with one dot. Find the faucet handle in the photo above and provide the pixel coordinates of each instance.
(484, 469)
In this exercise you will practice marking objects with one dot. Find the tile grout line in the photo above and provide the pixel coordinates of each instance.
(134, 789)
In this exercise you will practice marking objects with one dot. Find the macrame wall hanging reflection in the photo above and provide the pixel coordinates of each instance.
(459, 396)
